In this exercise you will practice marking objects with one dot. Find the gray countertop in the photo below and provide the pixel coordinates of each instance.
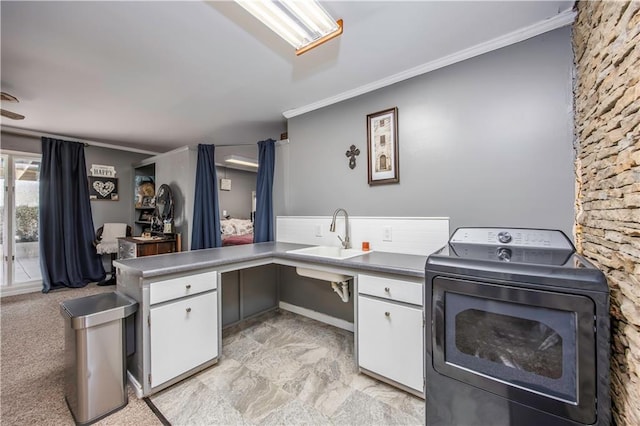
(382, 262)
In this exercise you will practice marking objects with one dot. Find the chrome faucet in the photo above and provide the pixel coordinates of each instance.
(332, 228)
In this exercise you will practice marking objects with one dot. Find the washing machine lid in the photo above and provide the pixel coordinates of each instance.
(517, 245)
(521, 254)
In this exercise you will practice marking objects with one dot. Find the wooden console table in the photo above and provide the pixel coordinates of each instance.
(129, 247)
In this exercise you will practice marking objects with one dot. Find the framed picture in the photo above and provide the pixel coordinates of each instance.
(382, 147)
(103, 188)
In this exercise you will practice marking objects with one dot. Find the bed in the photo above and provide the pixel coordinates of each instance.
(236, 231)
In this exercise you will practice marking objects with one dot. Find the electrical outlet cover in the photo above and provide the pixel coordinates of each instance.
(386, 233)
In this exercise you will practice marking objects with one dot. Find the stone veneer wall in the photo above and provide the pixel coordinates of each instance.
(606, 38)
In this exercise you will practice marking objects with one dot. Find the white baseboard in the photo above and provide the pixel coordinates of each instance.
(21, 289)
(318, 316)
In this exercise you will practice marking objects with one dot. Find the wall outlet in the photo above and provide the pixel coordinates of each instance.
(386, 233)
(318, 230)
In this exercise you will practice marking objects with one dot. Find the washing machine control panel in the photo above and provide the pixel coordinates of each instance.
(520, 237)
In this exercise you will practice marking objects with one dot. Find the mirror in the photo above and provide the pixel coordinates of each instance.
(163, 215)
(235, 198)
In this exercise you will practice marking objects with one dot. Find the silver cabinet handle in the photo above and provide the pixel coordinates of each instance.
(188, 286)
(386, 289)
(387, 314)
(188, 310)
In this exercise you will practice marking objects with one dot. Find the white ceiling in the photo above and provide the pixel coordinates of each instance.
(160, 75)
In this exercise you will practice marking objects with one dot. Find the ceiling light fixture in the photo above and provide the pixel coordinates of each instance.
(242, 161)
(303, 24)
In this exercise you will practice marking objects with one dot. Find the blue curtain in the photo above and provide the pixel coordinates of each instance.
(263, 227)
(206, 213)
(67, 255)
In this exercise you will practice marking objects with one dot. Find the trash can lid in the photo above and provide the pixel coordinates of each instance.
(97, 309)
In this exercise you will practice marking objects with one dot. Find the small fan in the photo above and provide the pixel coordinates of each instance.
(5, 97)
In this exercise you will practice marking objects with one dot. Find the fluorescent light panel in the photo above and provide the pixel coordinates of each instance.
(243, 161)
(302, 23)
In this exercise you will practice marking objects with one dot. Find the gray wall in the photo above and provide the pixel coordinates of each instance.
(313, 294)
(114, 211)
(178, 170)
(487, 141)
(236, 202)
(20, 143)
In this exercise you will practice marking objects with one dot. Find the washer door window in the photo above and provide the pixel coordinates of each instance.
(535, 347)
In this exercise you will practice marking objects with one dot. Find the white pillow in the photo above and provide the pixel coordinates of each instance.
(112, 231)
(227, 228)
(242, 226)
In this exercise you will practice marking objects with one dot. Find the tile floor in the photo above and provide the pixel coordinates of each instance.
(283, 368)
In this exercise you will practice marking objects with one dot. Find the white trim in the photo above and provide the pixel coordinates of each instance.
(561, 20)
(27, 132)
(17, 289)
(318, 316)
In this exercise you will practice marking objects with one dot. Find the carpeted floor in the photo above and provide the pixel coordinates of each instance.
(32, 363)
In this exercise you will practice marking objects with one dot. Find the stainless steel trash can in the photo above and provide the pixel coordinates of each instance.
(95, 361)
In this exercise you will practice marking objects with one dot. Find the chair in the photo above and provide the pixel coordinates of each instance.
(106, 242)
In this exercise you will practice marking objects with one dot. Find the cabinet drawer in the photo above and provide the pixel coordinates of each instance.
(161, 291)
(401, 291)
(183, 335)
(390, 341)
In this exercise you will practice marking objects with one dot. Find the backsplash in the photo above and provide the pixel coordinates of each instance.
(408, 235)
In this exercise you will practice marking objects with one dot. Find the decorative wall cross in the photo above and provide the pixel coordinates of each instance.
(353, 151)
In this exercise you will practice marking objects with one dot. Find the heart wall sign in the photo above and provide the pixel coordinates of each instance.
(102, 188)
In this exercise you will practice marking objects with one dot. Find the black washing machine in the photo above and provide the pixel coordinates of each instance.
(517, 331)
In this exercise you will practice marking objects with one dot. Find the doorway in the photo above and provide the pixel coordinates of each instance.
(19, 235)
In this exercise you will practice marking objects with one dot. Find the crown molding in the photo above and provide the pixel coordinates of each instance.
(561, 20)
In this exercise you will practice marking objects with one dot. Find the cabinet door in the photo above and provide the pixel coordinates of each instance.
(184, 334)
(147, 250)
(166, 247)
(390, 341)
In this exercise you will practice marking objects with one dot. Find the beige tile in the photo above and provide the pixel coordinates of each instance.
(241, 349)
(274, 366)
(289, 370)
(325, 396)
(394, 397)
(361, 409)
(255, 397)
(296, 413)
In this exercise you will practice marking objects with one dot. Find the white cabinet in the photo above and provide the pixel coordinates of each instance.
(184, 330)
(391, 331)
